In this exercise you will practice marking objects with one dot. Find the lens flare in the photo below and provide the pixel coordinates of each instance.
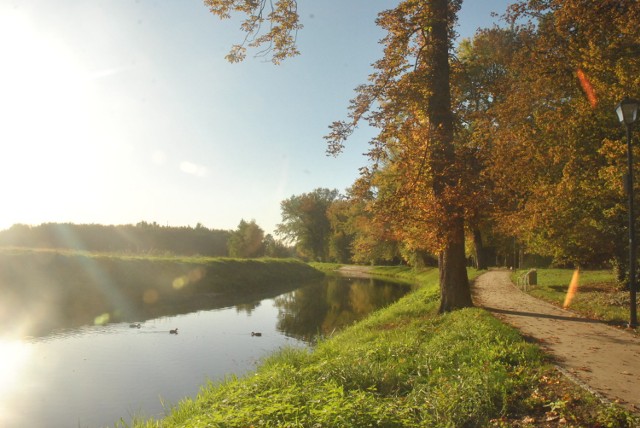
(13, 360)
(102, 319)
(587, 88)
(191, 278)
(573, 288)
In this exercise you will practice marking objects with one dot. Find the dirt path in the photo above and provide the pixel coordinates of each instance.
(355, 271)
(605, 359)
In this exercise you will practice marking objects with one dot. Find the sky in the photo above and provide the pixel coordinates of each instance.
(121, 111)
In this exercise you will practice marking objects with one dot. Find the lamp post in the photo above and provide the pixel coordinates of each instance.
(627, 111)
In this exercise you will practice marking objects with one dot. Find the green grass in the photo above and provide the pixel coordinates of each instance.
(422, 276)
(325, 267)
(404, 366)
(165, 272)
(398, 273)
(598, 295)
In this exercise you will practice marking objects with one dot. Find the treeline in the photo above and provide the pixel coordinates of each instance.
(150, 238)
(146, 238)
(325, 225)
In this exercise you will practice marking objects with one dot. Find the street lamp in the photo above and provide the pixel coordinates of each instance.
(627, 111)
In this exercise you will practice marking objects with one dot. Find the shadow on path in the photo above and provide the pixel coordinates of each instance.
(541, 315)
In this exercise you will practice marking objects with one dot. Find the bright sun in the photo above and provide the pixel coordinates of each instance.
(43, 111)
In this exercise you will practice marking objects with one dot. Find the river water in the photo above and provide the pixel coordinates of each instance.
(95, 376)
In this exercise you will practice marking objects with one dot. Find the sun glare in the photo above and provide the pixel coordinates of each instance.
(13, 358)
(43, 110)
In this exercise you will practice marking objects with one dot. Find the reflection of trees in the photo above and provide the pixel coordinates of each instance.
(247, 307)
(300, 310)
(331, 305)
(44, 291)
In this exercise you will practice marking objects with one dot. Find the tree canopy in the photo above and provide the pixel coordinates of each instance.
(277, 40)
(247, 241)
(510, 141)
(556, 157)
(305, 222)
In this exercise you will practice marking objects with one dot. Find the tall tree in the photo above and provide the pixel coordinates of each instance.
(247, 241)
(416, 174)
(409, 99)
(478, 77)
(454, 283)
(305, 222)
(341, 215)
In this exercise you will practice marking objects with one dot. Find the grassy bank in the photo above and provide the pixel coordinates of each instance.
(598, 295)
(54, 289)
(404, 366)
(131, 271)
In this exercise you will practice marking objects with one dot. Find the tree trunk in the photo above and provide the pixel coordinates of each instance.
(481, 251)
(455, 292)
(454, 282)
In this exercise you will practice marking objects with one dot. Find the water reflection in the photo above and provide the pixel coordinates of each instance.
(92, 376)
(316, 308)
(322, 308)
(41, 292)
(43, 316)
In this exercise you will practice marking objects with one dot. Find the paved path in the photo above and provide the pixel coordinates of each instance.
(604, 358)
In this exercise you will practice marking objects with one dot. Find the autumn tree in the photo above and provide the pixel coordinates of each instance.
(305, 222)
(416, 174)
(479, 75)
(447, 184)
(270, 27)
(374, 240)
(556, 159)
(342, 214)
(409, 99)
(357, 236)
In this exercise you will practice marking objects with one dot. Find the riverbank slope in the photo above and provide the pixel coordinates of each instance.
(404, 366)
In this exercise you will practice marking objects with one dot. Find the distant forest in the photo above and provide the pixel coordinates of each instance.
(150, 238)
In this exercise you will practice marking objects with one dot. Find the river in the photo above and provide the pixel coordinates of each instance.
(94, 376)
